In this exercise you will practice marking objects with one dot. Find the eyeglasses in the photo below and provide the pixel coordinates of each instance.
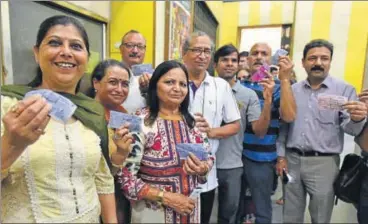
(115, 83)
(131, 46)
(198, 51)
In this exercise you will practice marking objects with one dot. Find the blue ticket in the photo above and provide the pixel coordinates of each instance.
(62, 108)
(141, 68)
(198, 150)
(276, 56)
(117, 119)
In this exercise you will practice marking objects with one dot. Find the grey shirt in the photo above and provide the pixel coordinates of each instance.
(229, 154)
(315, 129)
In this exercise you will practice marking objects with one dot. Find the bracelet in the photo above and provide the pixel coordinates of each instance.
(160, 196)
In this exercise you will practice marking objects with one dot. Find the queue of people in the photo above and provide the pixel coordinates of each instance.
(82, 171)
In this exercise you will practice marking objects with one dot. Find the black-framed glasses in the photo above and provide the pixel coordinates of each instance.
(131, 46)
(198, 51)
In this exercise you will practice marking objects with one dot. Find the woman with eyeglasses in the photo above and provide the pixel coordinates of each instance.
(110, 87)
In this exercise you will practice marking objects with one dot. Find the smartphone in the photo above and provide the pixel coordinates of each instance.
(286, 178)
(260, 74)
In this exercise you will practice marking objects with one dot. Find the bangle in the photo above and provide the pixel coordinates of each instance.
(117, 166)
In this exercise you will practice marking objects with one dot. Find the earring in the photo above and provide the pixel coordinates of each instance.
(95, 90)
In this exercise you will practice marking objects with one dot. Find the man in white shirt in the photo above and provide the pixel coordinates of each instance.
(133, 50)
(211, 97)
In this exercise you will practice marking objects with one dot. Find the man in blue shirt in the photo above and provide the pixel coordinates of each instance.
(259, 153)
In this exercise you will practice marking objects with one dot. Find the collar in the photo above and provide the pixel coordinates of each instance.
(237, 86)
(207, 79)
(327, 83)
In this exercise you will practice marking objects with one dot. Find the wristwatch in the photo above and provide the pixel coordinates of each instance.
(160, 196)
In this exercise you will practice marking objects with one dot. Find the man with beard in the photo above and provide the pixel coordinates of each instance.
(316, 137)
(211, 98)
(229, 155)
(259, 153)
(133, 50)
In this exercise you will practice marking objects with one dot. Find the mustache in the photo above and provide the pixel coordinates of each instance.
(317, 68)
(133, 55)
(258, 63)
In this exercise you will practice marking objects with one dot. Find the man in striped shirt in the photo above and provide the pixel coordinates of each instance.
(259, 153)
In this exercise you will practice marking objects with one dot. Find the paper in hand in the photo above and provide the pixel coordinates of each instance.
(331, 102)
(117, 119)
(141, 68)
(276, 56)
(62, 108)
(198, 150)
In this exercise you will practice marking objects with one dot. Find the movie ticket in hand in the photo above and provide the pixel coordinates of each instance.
(276, 56)
(141, 68)
(62, 108)
(331, 102)
(118, 119)
(183, 149)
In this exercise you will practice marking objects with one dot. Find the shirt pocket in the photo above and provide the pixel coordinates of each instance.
(327, 117)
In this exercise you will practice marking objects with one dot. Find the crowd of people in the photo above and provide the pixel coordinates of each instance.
(83, 171)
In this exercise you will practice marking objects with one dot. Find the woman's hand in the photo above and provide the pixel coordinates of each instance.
(179, 202)
(26, 121)
(123, 139)
(194, 166)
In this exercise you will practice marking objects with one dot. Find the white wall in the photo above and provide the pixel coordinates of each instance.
(101, 8)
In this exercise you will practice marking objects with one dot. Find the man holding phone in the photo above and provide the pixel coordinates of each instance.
(259, 153)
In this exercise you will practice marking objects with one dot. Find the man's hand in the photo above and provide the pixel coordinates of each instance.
(281, 165)
(357, 110)
(144, 82)
(268, 85)
(286, 67)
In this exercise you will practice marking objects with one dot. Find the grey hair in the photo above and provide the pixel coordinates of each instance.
(193, 35)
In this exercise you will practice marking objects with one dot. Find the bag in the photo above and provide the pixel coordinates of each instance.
(349, 180)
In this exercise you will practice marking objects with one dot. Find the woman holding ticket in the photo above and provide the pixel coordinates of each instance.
(164, 188)
(53, 138)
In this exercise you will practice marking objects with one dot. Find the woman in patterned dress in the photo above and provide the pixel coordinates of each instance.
(160, 187)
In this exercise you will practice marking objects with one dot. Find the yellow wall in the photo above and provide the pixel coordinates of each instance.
(228, 25)
(137, 15)
(343, 23)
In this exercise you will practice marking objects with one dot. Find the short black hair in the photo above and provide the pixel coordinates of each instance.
(318, 43)
(243, 54)
(224, 51)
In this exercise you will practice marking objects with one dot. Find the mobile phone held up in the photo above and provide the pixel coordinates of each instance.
(261, 73)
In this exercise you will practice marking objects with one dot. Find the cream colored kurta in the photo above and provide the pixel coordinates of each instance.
(56, 179)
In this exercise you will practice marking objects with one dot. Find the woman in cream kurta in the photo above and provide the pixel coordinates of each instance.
(58, 178)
